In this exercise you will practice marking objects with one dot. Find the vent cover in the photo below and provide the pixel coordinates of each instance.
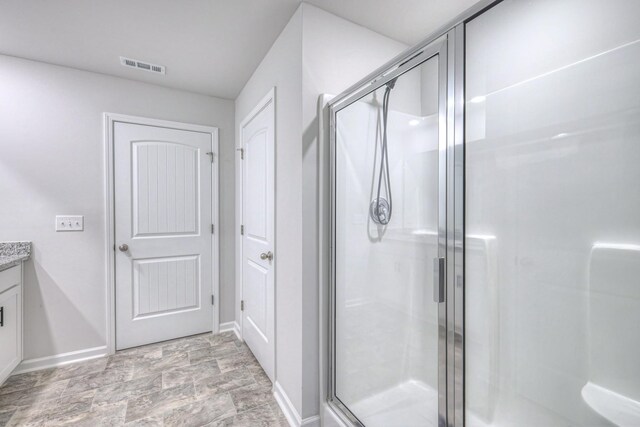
(141, 65)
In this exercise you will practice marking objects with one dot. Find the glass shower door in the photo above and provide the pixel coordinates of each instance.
(388, 322)
(553, 214)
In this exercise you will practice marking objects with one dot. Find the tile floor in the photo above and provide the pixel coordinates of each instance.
(204, 380)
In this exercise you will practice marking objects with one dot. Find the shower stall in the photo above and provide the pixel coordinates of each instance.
(484, 248)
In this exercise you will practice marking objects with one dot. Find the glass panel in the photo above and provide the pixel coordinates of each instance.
(553, 214)
(386, 334)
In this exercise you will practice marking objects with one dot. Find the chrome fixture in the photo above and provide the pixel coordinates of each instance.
(380, 209)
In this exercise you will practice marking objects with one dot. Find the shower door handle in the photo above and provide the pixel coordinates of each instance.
(438, 279)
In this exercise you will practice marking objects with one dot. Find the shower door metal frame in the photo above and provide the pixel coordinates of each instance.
(448, 41)
(439, 48)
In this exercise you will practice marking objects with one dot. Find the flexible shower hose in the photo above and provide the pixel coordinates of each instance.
(384, 158)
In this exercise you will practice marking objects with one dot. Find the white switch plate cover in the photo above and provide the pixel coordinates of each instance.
(69, 222)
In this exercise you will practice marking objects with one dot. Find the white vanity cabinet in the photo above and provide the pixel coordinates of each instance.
(10, 320)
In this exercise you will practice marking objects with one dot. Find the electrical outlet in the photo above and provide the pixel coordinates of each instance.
(69, 223)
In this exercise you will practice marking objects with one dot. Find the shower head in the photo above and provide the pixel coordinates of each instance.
(391, 83)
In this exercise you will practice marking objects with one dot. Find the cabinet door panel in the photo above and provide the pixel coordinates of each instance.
(10, 339)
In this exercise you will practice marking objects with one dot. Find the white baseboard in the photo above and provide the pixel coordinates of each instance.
(60, 359)
(231, 326)
(287, 407)
(290, 412)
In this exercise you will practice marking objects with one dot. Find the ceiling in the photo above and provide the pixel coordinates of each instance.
(408, 21)
(207, 46)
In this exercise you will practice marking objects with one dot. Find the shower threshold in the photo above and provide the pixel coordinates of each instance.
(408, 404)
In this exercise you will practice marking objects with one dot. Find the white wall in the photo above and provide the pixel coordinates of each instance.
(316, 53)
(52, 162)
(336, 54)
(282, 68)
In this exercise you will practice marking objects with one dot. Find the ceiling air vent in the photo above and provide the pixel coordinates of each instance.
(141, 65)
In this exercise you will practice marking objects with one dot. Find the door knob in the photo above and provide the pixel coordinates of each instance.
(268, 255)
(123, 247)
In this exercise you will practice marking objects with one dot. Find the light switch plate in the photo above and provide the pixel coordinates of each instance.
(69, 222)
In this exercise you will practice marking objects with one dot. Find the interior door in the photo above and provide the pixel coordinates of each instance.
(163, 230)
(258, 296)
(388, 311)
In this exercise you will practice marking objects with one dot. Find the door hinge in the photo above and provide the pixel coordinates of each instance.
(241, 150)
(242, 230)
(213, 299)
(213, 228)
(242, 305)
(210, 153)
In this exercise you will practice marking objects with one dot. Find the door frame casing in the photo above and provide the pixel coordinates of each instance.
(269, 98)
(109, 121)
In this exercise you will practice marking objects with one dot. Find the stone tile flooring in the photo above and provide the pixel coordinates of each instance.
(204, 380)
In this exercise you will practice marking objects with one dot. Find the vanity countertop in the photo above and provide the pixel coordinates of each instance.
(13, 253)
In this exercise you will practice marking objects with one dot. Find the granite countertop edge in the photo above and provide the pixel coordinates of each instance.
(13, 253)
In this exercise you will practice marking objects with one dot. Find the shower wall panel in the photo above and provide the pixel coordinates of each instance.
(553, 214)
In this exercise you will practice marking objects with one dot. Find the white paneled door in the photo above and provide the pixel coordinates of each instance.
(163, 233)
(258, 296)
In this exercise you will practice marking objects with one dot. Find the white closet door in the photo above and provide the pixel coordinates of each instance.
(163, 233)
(258, 293)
